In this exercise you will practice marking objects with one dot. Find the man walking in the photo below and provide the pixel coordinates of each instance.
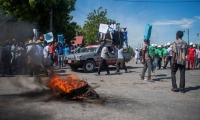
(169, 56)
(179, 49)
(104, 56)
(159, 56)
(191, 56)
(146, 61)
(137, 57)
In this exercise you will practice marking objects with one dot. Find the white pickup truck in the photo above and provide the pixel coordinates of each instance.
(88, 60)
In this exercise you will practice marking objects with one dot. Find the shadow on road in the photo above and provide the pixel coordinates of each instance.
(192, 88)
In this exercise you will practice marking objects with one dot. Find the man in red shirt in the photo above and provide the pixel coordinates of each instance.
(191, 56)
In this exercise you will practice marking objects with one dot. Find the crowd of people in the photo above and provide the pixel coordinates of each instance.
(34, 56)
(178, 54)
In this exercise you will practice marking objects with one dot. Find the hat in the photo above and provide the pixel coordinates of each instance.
(38, 41)
(165, 44)
(136, 48)
(159, 45)
(29, 42)
(168, 43)
(191, 43)
(194, 45)
(155, 44)
(124, 27)
(152, 45)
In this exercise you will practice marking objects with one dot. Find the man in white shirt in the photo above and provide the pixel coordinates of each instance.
(31, 52)
(137, 57)
(198, 58)
(47, 59)
(120, 59)
(104, 56)
(169, 56)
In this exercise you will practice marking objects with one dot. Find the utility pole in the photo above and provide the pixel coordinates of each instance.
(51, 18)
(188, 36)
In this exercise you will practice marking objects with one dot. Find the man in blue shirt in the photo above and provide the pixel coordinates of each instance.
(66, 51)
(125, 32)
(60, 54)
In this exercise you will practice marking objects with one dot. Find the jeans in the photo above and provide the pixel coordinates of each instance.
(182, 76)
(154, 64)
(169, 59)
(103, 64)
(60, 60)
(126, 42)
(198, 61)
(159, 62)
(147, 64)
(52, 59)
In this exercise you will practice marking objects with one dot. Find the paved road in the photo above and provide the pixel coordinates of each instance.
(122, 97)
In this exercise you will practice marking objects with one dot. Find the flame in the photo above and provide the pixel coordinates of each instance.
(58, 84)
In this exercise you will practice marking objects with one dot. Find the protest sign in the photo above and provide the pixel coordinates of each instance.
(48, 37)
(103, 28)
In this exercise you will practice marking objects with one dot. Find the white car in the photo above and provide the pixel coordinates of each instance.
(88, 60)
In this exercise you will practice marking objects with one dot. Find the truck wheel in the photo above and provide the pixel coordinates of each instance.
(89, 66)
(74, 68)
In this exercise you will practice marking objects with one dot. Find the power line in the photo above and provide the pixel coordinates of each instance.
(159, 1)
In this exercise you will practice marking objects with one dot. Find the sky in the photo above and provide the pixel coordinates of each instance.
(166, 17)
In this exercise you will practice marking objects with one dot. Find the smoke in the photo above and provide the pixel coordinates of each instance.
(11, 29)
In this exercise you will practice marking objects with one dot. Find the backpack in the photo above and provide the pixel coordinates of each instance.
(181, 51)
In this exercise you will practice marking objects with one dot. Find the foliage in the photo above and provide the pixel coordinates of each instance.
(92, 23)
(39, 11)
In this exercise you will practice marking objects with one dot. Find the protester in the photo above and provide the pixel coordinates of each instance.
(146, 61)
(125, 32)
(151, 51)
(31, 52)
(19, 57)
(191, 56)
(66, 53)
(60, 54)
(47, 59)
(5, 59)
(179, 49)
(104, 56)
(120, 59)
(169, 56)
(159, 56)
(164, 50)
(51, 52)
(140, 54)
(137, 56)
(39, 54)
(198, 58)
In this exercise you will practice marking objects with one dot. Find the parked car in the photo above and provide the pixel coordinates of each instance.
(88, 60)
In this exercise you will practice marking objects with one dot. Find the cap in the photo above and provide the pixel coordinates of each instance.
(165, 44)
(194, 45)
(155, 44)
(125, 27)
(159, 45)
(168, 43)
(191, 43)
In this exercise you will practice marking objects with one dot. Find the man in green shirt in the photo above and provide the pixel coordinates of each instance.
(153, 59)
(164, 49)
(159, 56)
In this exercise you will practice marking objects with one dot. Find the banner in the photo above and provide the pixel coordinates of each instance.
(48, 37)
(103, 28)
(60, 39)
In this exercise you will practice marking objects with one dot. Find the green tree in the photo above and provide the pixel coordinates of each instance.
(39, 11)
(92, 23)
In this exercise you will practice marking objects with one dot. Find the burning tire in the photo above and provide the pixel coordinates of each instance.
(89, 66)
(74, 68)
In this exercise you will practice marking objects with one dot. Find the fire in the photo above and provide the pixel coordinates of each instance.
(58, 84)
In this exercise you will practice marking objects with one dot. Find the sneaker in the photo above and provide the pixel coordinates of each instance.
(174, 90)
(150, 80)
(164, 67)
